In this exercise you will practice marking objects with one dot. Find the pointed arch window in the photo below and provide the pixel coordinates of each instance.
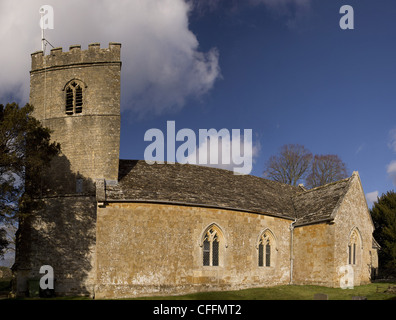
(74, 97)
(353, 247)
(212, 247)
(266, 249)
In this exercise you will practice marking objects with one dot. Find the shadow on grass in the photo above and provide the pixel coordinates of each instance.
(374, 291)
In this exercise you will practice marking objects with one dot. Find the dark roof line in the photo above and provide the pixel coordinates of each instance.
(197, 205)
(194, 185)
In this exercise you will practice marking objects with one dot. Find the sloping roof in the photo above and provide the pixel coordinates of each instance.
(318, 204)
(206, 186)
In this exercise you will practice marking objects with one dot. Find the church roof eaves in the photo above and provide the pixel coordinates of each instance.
(199, 205)
(201, 186)
(193, 185)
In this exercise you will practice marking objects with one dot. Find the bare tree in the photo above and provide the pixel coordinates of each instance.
(290, 166)
(325, 169)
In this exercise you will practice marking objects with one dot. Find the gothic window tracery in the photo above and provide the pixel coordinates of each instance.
(266, 249)
(353, 247)
(212, 246)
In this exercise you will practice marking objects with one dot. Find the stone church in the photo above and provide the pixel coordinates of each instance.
(113, 228)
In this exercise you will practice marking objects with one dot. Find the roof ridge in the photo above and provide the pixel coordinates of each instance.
(200, 184)
(216, 168)
(315, 205)
(325, 185)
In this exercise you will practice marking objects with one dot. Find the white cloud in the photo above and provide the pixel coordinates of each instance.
(223, 152)
(371, 197)
(392, 139)
(162, 64)
(391, 170)
(360, 148)
(391, 167)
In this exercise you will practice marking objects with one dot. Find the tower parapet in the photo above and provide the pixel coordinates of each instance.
(76, 56)
(77, 95)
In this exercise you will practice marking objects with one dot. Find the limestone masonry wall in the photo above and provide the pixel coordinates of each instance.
(353, 214)
(150, 249)
(63, 233)
(313, 248)
(90, 140)
(63, 236)
(321, 249)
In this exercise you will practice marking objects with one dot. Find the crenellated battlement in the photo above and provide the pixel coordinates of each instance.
(76, 56)
(77, 95)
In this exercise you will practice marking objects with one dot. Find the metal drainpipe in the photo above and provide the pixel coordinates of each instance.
(291, 250)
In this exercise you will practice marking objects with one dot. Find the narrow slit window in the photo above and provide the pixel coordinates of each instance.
(354, 253)
(79, 100)
(206, 252)
(261, 255)
(215, 256)
(69, 101)
(349, 254)
(267, 255)
(79, 185)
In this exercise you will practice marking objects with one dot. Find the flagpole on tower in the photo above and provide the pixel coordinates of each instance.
(42, 28)
(42, 39)
(44, 12)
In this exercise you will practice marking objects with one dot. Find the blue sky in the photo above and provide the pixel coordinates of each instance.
(297, 80)
(284, 69)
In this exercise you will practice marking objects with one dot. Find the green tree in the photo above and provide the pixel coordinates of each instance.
(25, 150)
(383, 213)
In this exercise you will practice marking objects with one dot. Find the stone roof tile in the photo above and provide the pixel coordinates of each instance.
(206, 186)
(318, 204)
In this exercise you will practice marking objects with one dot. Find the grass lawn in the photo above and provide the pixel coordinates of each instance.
(373, 291)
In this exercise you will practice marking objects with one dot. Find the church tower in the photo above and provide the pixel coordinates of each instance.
(77, 95)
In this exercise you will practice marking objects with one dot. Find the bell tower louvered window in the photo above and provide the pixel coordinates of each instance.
(74, 98)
